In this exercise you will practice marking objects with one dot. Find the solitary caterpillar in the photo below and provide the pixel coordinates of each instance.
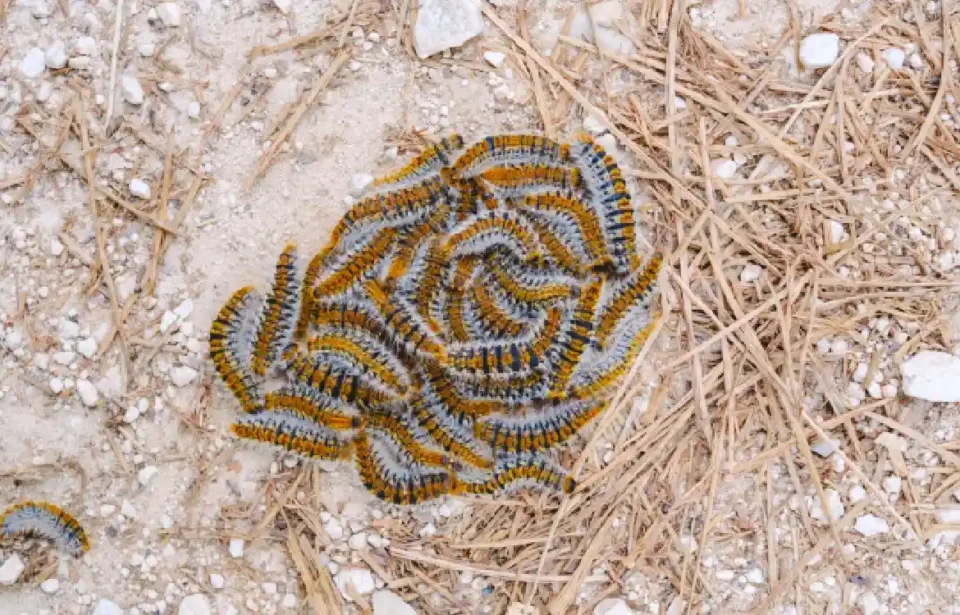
(46, 521)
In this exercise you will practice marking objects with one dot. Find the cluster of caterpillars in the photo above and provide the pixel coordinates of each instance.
(464, 320)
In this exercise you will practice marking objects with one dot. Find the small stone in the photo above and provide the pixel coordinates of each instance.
(13, 340)
(86, 46)
(55, 56)
(894, 57)
(194, 604)
(932, 375)
(494, 58)
(236, 548)
(445, 24)
(146, 49)
(359, 183)
(834, 504)
(167, 320)
(106, 607)
(360, 578)
(750, 273)
(139, 188)
(182, 375)
(56, 385)
(869, 603)
(146, 474)
(50, 586)
(131, 415)
(216, 581)
(612, 606)
(824, 448)
(290, 602)
(33, 64)
(865, 62)
(11, 570)
(857, 493)
(358, 541)
(334, 529)
(283, 5)
(871, 525)
(64, 357)
(88, 393)
(132, 91)
(755, 576)
(79, 62)
(819, 50)
(892, 484)
(193, 110)
(127, 510)
(915, 61)
(185, 308)
(388, 603)
(169, 14)
(87, 347)
(724, 168)
(56, 248)
(593, 125)
(355, 65)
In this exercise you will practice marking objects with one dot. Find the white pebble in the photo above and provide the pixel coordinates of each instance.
(857, 493)
(56, 385)
(146, 49)
(139, 188)
(750, 273)
(892, 484)
(216, 581)
(871, 525)
(33, 64)
(334, 529)
(88, 393)
(894, 57)
(146, 474)
(169, 14)
(11, 570)
(50, 586)
(132, 90)
(819, 50)
(87, 347)
(834, 504)
(236, 548)
(755, 576)
(359, 183)
(86, 46)
(283, 5)
(193, 110)
(182, 375)
(865, 62)
(131, 415)
(106, 607)
(915, 61)
(55, 56)
(613, 606)
(932, 375)
(360, 578)
(724, 168)
(494, 58)
(839, 347)
(194, 604)
(358, 541)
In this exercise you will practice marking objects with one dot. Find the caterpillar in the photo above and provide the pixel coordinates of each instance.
(392, 482)
(312, 406)
(519, 471)
(511, 148)
(231, 341)
(575, 337)
(292, 433)
(366, 353)
(536, 431)
(519, 179)
(279, 317)
(634, 290)
(429, 161)
(47, 521)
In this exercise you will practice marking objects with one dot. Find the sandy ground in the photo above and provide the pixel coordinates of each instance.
(148, 466)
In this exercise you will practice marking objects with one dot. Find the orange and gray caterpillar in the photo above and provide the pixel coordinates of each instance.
(511, 148)
(427, 162)
(516, 472)
(46, 521)
(607, 192)
(536, 431)
(393, 482)
(278, 319)
(231, 343)
(294, 434)
(520, 179)
(635, 290)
